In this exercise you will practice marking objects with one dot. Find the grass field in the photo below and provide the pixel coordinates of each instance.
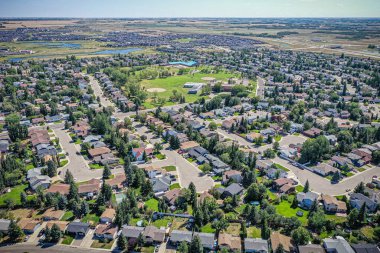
(14, 195)
(176, 82)
(67, 239)
(234, 229)
(208, 228)
(68, 216)
(162, 222)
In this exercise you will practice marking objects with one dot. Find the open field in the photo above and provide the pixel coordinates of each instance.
(11, 24)
(167, 85)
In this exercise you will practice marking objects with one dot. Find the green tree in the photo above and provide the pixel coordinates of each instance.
(14, 231)
(122, 242)
(306, 187)
(183, 247)
(55, 233)
(106, 172)
(265, 231)
(196, 245)
(301, 236)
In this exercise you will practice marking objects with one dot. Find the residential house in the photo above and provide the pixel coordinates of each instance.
(108, 216)
(253, 136)
(138, 153)
(161, 184)
(106, 231)
(276, 239)
(171, 196)
(312, 132)
(132, 233)
(178, 236)
(365, 248)
(338, 245)
(231, 190)
(357, 200)
(332, 205)
(229, 242)
(153, 235)
(186, 146)
(4, 226)
(117, 182)
(207, 240)
(61, 224)
(37, 180)
(311, 248)
(29, 226)
(306, 200)
(232, 175)
(95, 152)
(52, 214)
(78, 228)
(256, 245)
(263, 164)
(324, 169)
(90, 189)
(61, 188)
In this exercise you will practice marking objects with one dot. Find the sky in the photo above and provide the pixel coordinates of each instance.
(189, 8)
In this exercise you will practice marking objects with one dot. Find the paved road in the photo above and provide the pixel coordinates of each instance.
(77, 165)
(31, 248)
(322, 185)
(260, 87)
(104, 101)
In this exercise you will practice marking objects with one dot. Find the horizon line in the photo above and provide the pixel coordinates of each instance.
(185, 17)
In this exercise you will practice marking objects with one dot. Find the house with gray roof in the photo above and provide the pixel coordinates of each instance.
(256, 245)
(357, 200)
(131, 231)
(207, 240)
(178, 236)
(78, 228)
(338, 245)
(231, 190)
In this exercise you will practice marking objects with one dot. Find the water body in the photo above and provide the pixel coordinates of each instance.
(184, 63)
(103, 52)
(118, 51)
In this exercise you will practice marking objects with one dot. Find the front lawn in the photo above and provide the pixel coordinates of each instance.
(67, 239)
(160, 156)
(299, 188)
(14, 195)
(63, 163)
(170, 168)
(96, 166)
(279, 166)
(102, 245)
(175, 186)
(277, 138)
(152, 204)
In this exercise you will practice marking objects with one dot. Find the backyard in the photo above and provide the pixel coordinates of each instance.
(13, 195)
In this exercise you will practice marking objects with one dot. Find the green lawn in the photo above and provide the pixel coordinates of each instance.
(279, 166)
(160, 156)
(91, 217)
(368, 232)
(14, 195)
(149, 249)
(299, 188)
(96, 166)
(285, 210)
(170, 168)
(277, 138)
(176, 82)
(254, 232)
(29, 166)
(207, 228)
(67, 239)
(162, 222)
(68, 216)
(63, 163)
(102, 245)
(152, 204)
(175, 186)
(234, 229)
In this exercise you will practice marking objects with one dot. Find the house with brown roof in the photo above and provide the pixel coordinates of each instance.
(186, 146)
(29, 226)
(331, 204)
(152, 235)
(61, 224)
(118, 182)
(106, 231)
(61, 188)
(276, 239)
(171, 196)
(52, 214)
(108, 215)
(90, 189)
(312, 132)
(98, 151)
(229, 242)
(232, 175)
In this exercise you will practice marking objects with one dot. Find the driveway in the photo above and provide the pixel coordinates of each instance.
(322, 185)
(88, 239)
